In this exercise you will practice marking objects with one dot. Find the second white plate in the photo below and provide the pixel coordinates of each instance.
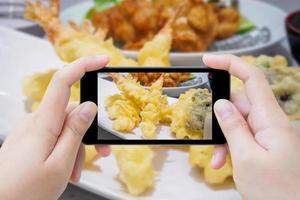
(260, 13)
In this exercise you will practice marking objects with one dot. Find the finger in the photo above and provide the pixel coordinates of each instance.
(235, 128)
(71, 107)
(252, 77)
(219, 156)
(103, 150)
(241, 102)
(75, 176)
(76, 124)
(52, 109)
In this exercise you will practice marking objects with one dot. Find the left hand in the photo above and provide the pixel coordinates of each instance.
(44, 151)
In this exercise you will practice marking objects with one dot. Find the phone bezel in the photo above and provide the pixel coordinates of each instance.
(220, 87)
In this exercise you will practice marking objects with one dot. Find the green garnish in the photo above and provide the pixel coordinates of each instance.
(192, 76)
(101, 5)
(245, 25)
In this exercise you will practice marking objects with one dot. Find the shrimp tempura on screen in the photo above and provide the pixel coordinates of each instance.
(151, 103)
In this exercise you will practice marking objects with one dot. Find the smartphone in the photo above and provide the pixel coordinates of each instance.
(155, 105)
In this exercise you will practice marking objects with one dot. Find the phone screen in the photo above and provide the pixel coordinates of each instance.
(156, 106)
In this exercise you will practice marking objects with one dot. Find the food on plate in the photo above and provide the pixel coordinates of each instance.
(71, 41)
(135, 163)
(155, 52)
(90, 154)
(135, 22)
(184, 117)
(169, 79)
(284, 80)
(264, 61)
(123, 112)
(285, 84)
(201, 108)
(201, 156)
(145, 106)
(34, 88)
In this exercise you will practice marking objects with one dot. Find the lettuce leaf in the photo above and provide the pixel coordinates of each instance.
(101, 5)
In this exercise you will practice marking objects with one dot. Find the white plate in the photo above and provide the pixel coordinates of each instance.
(176, 91)
(260, 13)
(21, 54)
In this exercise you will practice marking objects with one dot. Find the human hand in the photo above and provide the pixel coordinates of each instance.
(263, 144)
(44, 151)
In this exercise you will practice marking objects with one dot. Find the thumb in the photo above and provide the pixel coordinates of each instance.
(75, 126)
(235, 128)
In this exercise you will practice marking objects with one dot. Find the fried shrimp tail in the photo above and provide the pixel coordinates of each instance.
(156, 51)
(72, 41)
(45, 17)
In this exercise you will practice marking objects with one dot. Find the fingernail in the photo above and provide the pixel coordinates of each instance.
(106, 57)
(87, 112)
(223, 108)
(213, 160)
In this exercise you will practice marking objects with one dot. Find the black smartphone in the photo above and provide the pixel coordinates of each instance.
(155, 105)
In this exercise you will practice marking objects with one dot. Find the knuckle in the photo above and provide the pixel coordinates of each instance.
(58, 76)
(232, 57)
(258, 73)
(75, 127)
(234, 123)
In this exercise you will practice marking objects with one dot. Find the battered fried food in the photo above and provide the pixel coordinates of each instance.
(124, 113)
(264, 61)
(72, 42)
(34, 87)
(284, 80)
(136, 167)
(228, 26)
(201, 156)
(134, 22)
(169, 79)
(285, 83)
(201, 107)
(183, 124)
(149, 104)
(156, 51)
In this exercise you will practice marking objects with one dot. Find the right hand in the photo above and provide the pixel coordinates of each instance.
(263, 144)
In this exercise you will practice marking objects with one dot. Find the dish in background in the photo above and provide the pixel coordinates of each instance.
(274, 22)
(200, 81)
(292, 24)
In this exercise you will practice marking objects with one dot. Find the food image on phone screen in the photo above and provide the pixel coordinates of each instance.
(157, 105)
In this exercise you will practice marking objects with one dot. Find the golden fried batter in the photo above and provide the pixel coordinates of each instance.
(134, 22)
(285, 83)
(169, 79)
